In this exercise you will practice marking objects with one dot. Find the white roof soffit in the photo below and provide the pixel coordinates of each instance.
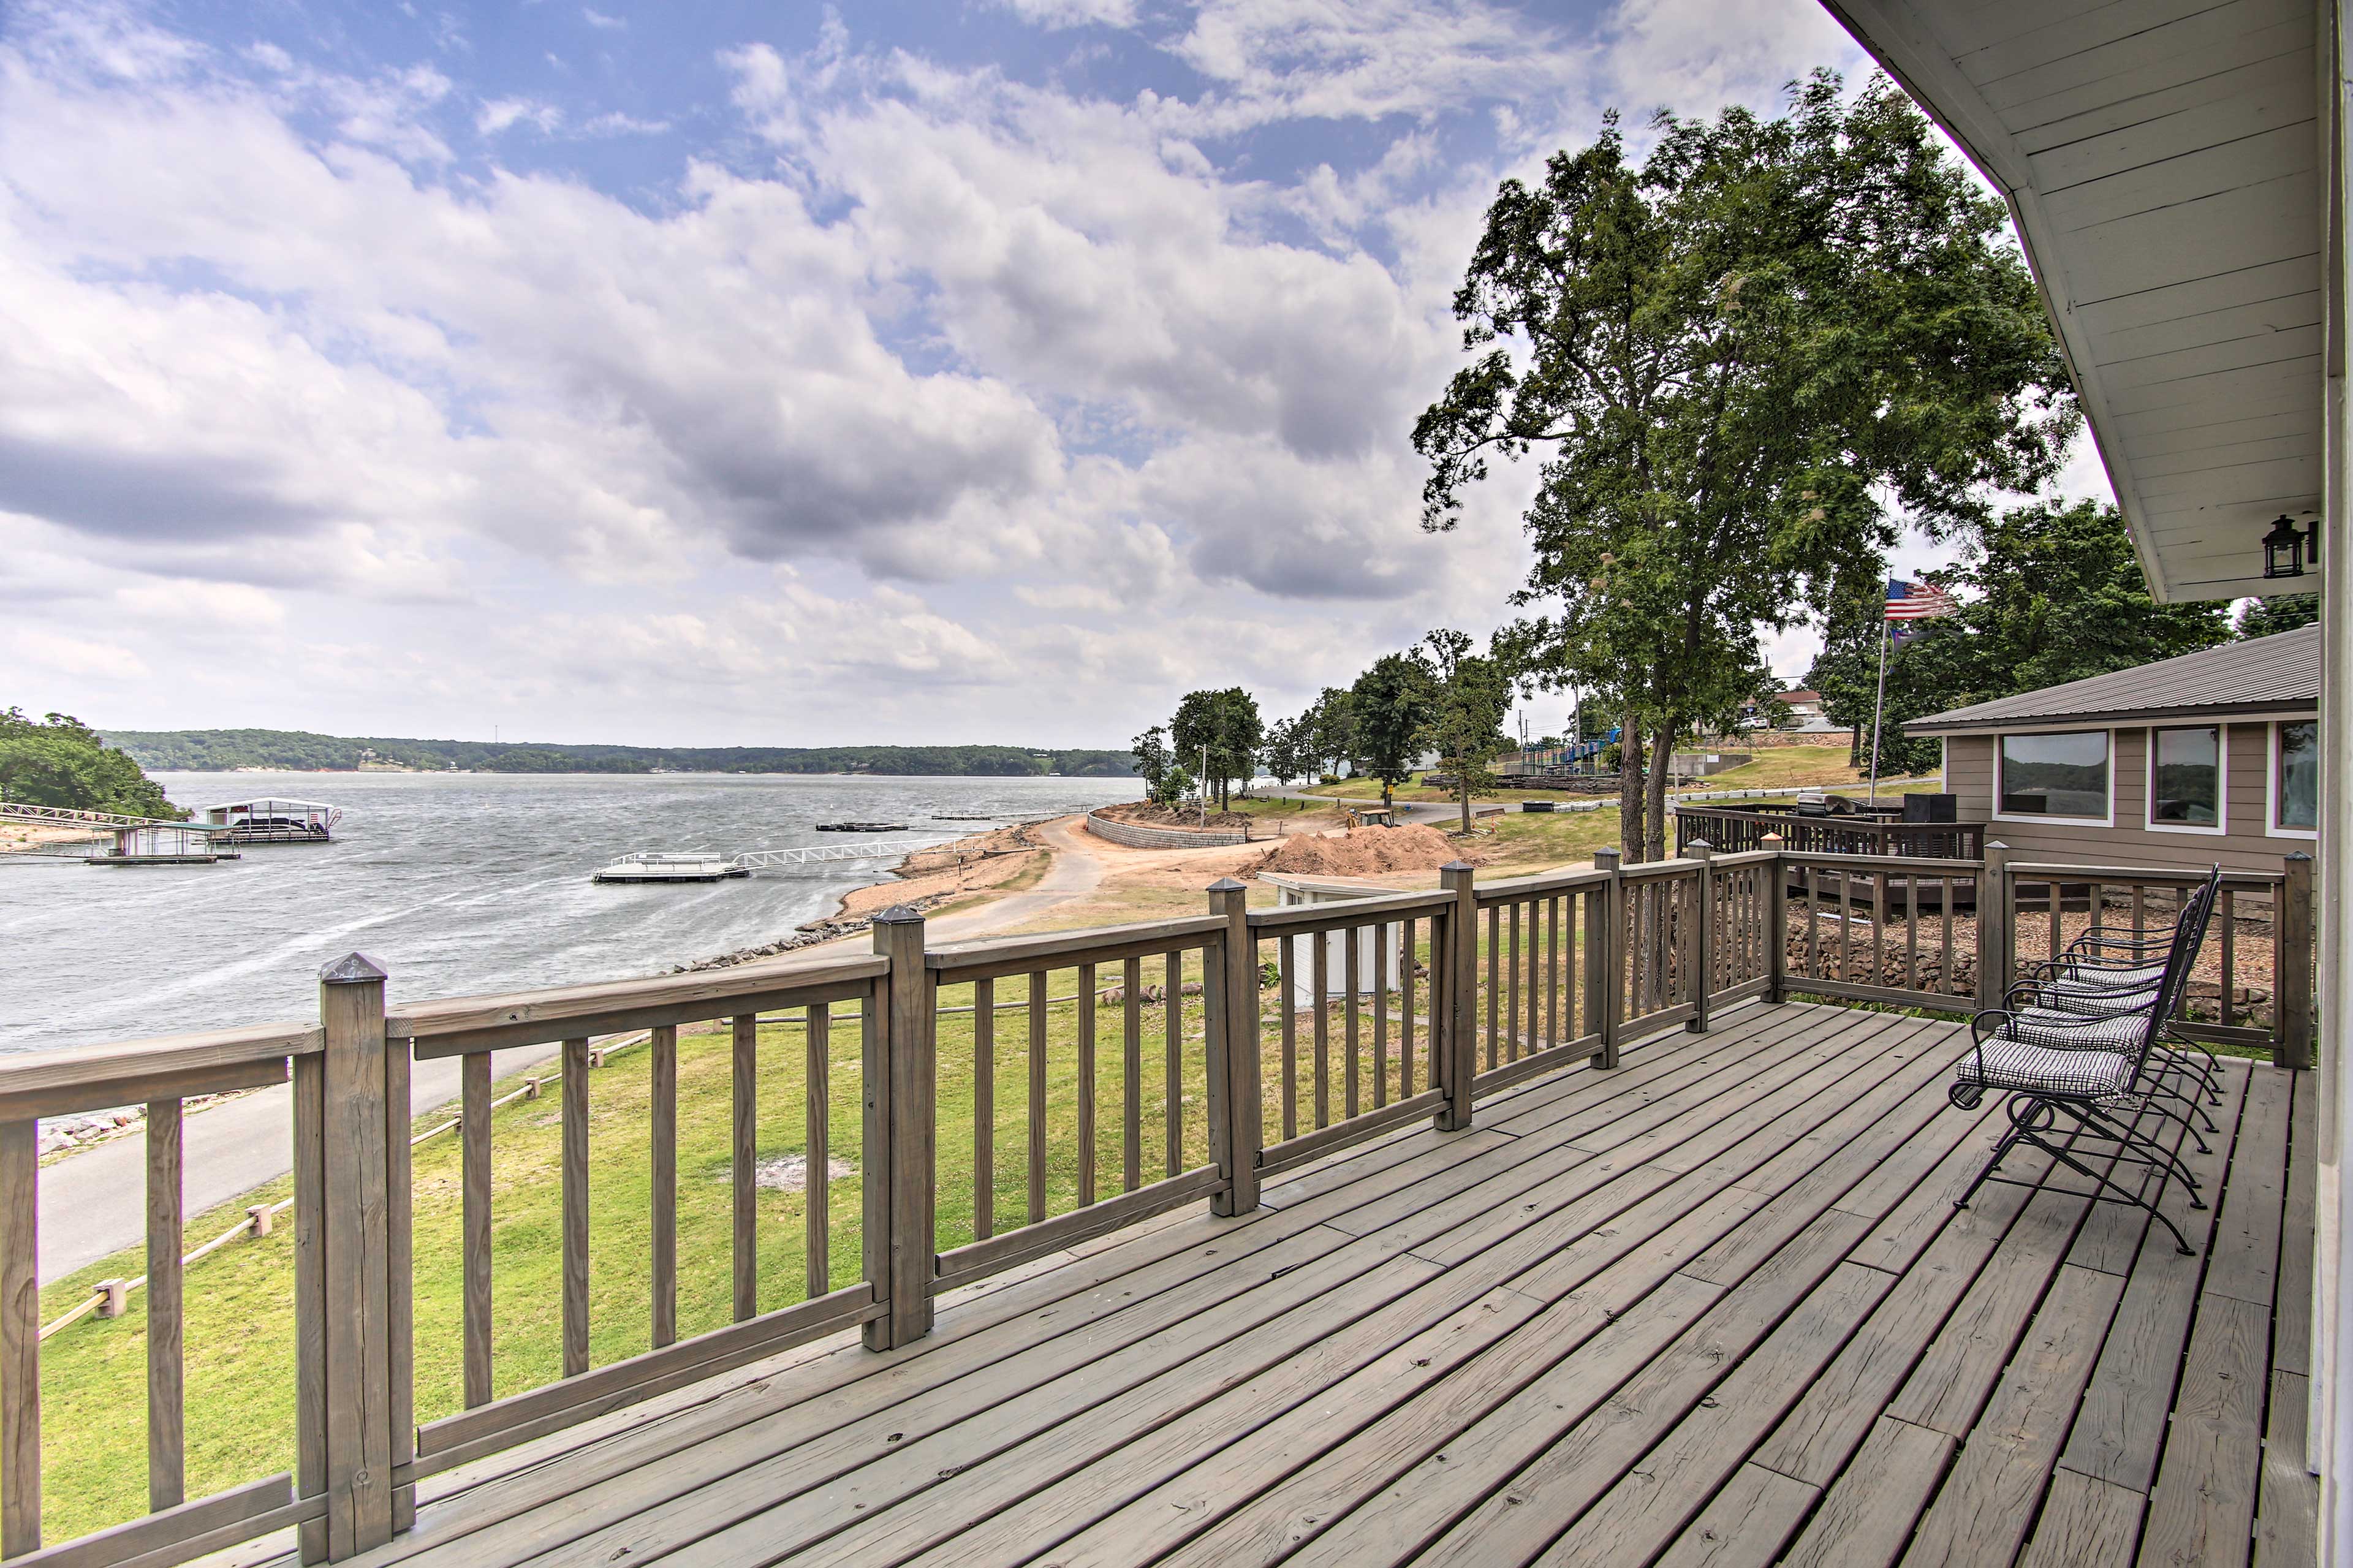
(2162, 159)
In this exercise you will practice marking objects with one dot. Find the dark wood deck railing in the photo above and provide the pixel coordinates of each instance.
(1739, 829)
(1437, 995)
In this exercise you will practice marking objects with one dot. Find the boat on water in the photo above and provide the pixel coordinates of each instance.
(656, 866)
(272, 821)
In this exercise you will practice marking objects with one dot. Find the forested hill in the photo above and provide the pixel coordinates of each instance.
(219, 750)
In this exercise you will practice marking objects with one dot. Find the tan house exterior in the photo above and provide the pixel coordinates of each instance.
(2209, 758)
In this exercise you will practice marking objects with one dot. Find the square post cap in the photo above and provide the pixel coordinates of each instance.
(900, 915)
(352, 969)
(1227, 885)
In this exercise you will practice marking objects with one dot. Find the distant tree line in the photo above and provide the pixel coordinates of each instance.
(1437, 695)
(221, 751)
(57, 760)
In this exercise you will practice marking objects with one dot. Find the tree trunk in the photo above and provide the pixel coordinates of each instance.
(1663, 757)
(1629, 789)
(1462, 787)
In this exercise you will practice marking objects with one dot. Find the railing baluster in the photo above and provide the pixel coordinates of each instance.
(1552, 970)
(474, 1178)
(984, 1111)
(1173, 1048)
(1879, 927)
(1132, 1076)
(1494, 986)
(2229, 952)
(1036, 1096)
(817, 1143)
(310, 1440)
(2058, 913)
(1319, 979)
(167, 1442)
(743, 1164)
(1349, 982)
(1380, 1015)
(1407, 965)
(1813, 922)
(1946, 981)
(1287, 985)
(576, 1211)
(20, 1340)
(1086, 1085)
(1516, 984)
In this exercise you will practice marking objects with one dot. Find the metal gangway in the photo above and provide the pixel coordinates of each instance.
(816, 854)
(68, 817)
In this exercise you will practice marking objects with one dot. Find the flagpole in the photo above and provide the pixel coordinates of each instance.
(1879, 705)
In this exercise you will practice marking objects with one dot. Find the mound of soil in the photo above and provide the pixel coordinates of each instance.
(1364, 852)
(1146, 814)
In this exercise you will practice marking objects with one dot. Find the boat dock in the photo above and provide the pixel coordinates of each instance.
(711, 866)
(109, 838)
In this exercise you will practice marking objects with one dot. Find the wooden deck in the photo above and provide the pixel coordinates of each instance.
(1715, 1307)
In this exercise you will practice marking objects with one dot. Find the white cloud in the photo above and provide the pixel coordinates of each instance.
(1058, 13)
(601, 21)
(501, 113)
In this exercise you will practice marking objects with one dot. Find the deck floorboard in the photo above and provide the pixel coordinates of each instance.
(1712, 1309)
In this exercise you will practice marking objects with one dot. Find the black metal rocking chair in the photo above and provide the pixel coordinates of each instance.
(2085, 1079)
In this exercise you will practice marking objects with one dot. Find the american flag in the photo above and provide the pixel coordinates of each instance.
(1917, 601)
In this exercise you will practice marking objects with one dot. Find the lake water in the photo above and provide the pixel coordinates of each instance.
(456, 883)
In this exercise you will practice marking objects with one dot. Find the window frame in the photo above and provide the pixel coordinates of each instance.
(2271, 828)
(2001, 767)
(2221, 783)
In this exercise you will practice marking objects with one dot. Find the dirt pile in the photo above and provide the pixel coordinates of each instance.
(1145, 814)
(1364, 852)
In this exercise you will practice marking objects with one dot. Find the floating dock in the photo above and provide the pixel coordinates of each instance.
(652, 866)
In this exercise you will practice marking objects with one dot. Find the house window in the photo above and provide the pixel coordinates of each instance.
(2185, 778)
(2296, 779)
(2064, 774)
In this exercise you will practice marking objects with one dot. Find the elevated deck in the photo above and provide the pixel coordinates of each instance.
(1714, 1307)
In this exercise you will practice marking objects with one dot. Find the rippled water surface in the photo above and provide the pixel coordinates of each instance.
(457, 884)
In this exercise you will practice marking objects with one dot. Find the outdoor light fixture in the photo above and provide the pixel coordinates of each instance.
(2286, 548)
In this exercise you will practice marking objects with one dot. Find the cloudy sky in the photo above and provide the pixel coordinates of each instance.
(987, 369)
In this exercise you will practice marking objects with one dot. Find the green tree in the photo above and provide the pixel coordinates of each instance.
(1469, 696)
(60, 761)
(1331, 729)
(1288, 745)
(1731, 356)
(1226, 725)
(1152, 760)
(1390, 705)
(2281, 613)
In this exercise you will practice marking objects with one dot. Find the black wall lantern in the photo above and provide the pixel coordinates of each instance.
(2286, 548)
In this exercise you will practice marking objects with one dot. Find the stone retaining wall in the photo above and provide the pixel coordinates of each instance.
(1136, 835)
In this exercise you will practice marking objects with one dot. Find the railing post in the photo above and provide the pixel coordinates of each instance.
(1993, 925)
(1776, 921)
(1234, 1092)
(1457, 1061)
(352, 1305)
(1613, 936)
(2292, 1009)
(1703, 950)
(900, 1167)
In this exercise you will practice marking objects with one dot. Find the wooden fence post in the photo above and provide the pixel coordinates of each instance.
(1993, 925)
(1703, 950)
(1457, 1059)
(1243, 1112)
(2293, 1007)
(900, 1261)
(1777, 922)
(353, 1305)
(1613, 959)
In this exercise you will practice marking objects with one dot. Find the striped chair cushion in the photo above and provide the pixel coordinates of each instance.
(2018, 1065)
(2062, 1031)
(2100, 1001)
(2135, 977)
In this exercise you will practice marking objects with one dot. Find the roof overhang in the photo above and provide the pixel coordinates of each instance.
(2163, 162)
(2123, 720)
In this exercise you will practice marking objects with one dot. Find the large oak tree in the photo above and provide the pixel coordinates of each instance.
(1737, 359)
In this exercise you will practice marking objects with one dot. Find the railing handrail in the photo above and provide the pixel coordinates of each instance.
(981, 957)
(2151, 875)
(44, 1083)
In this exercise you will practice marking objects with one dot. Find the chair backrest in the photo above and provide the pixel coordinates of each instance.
(2189, 936)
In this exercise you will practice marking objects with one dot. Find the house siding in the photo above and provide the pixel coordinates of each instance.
(2244, 846)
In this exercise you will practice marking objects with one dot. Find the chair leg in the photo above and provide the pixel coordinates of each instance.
(2155, 1154)
(2010, 1140)
(2124, 1195)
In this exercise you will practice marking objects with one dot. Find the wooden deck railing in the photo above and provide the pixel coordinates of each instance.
(1248, 1043)
(1740, 828)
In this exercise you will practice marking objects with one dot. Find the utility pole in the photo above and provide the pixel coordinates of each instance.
(1204, 784)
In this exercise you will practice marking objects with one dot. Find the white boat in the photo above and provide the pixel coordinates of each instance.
(690, 866)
